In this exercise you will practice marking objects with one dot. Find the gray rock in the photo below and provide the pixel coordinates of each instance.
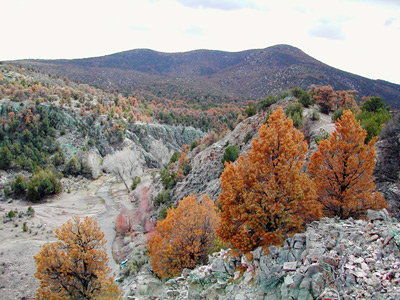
(288, 280)
(218, 265)
(290, 266)
(381, 215)
(273, 250)
(314, 269)
(257, 253)
(315, 254)
(317, 284)
(265, 262)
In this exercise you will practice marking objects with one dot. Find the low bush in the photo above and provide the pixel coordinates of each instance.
(135, 182)
(42, 184)
(295, 112)
(231, 154)
(19, 185)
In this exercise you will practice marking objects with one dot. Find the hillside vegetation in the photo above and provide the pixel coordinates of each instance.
(205, 76)
(246, 175)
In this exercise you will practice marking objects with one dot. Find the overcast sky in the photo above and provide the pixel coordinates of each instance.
(358, 36)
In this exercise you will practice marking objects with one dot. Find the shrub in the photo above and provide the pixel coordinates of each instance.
(168, 179)
(372, 118)
(122, 225)
(90, 142)
(231, 154)
(19, 185)
(315, 116)
(322, 135)
(251, 109)
(58, 158)
(42, 184)
(266, 103)
(139, 259)
(6, 191)
(337, 114)
(163, 212)
(11, 214)
(163, 198)
(304, 98)
(283, 94)
(73, 167)
(5, 158)
(297, 92)
(248, 137)
(135, 182)
(194, 144)
(30, 212)
(174, 158)
(373, 104)
(295, 112)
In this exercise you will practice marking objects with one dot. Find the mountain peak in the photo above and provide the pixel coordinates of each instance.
(249, 74)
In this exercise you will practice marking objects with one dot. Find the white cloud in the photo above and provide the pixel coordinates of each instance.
(328, 30)
(194, 30)
(219, 4)
(347, 34)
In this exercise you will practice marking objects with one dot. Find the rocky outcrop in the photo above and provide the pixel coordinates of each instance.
(333, 259)
(387, 170)
(206, 166)
(160, 141)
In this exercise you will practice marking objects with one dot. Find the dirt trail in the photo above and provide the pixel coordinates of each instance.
(106, 221)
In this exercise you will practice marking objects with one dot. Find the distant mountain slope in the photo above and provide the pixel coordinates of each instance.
(250, 74)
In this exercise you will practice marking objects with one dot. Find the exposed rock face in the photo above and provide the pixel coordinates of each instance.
(207, 165)
(155, 142)
(333, 259)
(387, 170)
(160, 141)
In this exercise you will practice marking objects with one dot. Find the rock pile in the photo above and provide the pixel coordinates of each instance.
(333, 259)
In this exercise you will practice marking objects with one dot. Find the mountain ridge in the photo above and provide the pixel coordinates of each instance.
(247, 74)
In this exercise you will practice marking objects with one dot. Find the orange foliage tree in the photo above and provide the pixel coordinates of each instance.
(267, 195)
(76, 266)
(325, 97)
(184, 238)
(347, 101)
(342, 169)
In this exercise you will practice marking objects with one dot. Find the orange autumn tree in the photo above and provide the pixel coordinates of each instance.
(266, 195)
(76, 267)
(342, 169)
(184, 238)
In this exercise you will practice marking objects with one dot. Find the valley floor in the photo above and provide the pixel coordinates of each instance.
(17, 248)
